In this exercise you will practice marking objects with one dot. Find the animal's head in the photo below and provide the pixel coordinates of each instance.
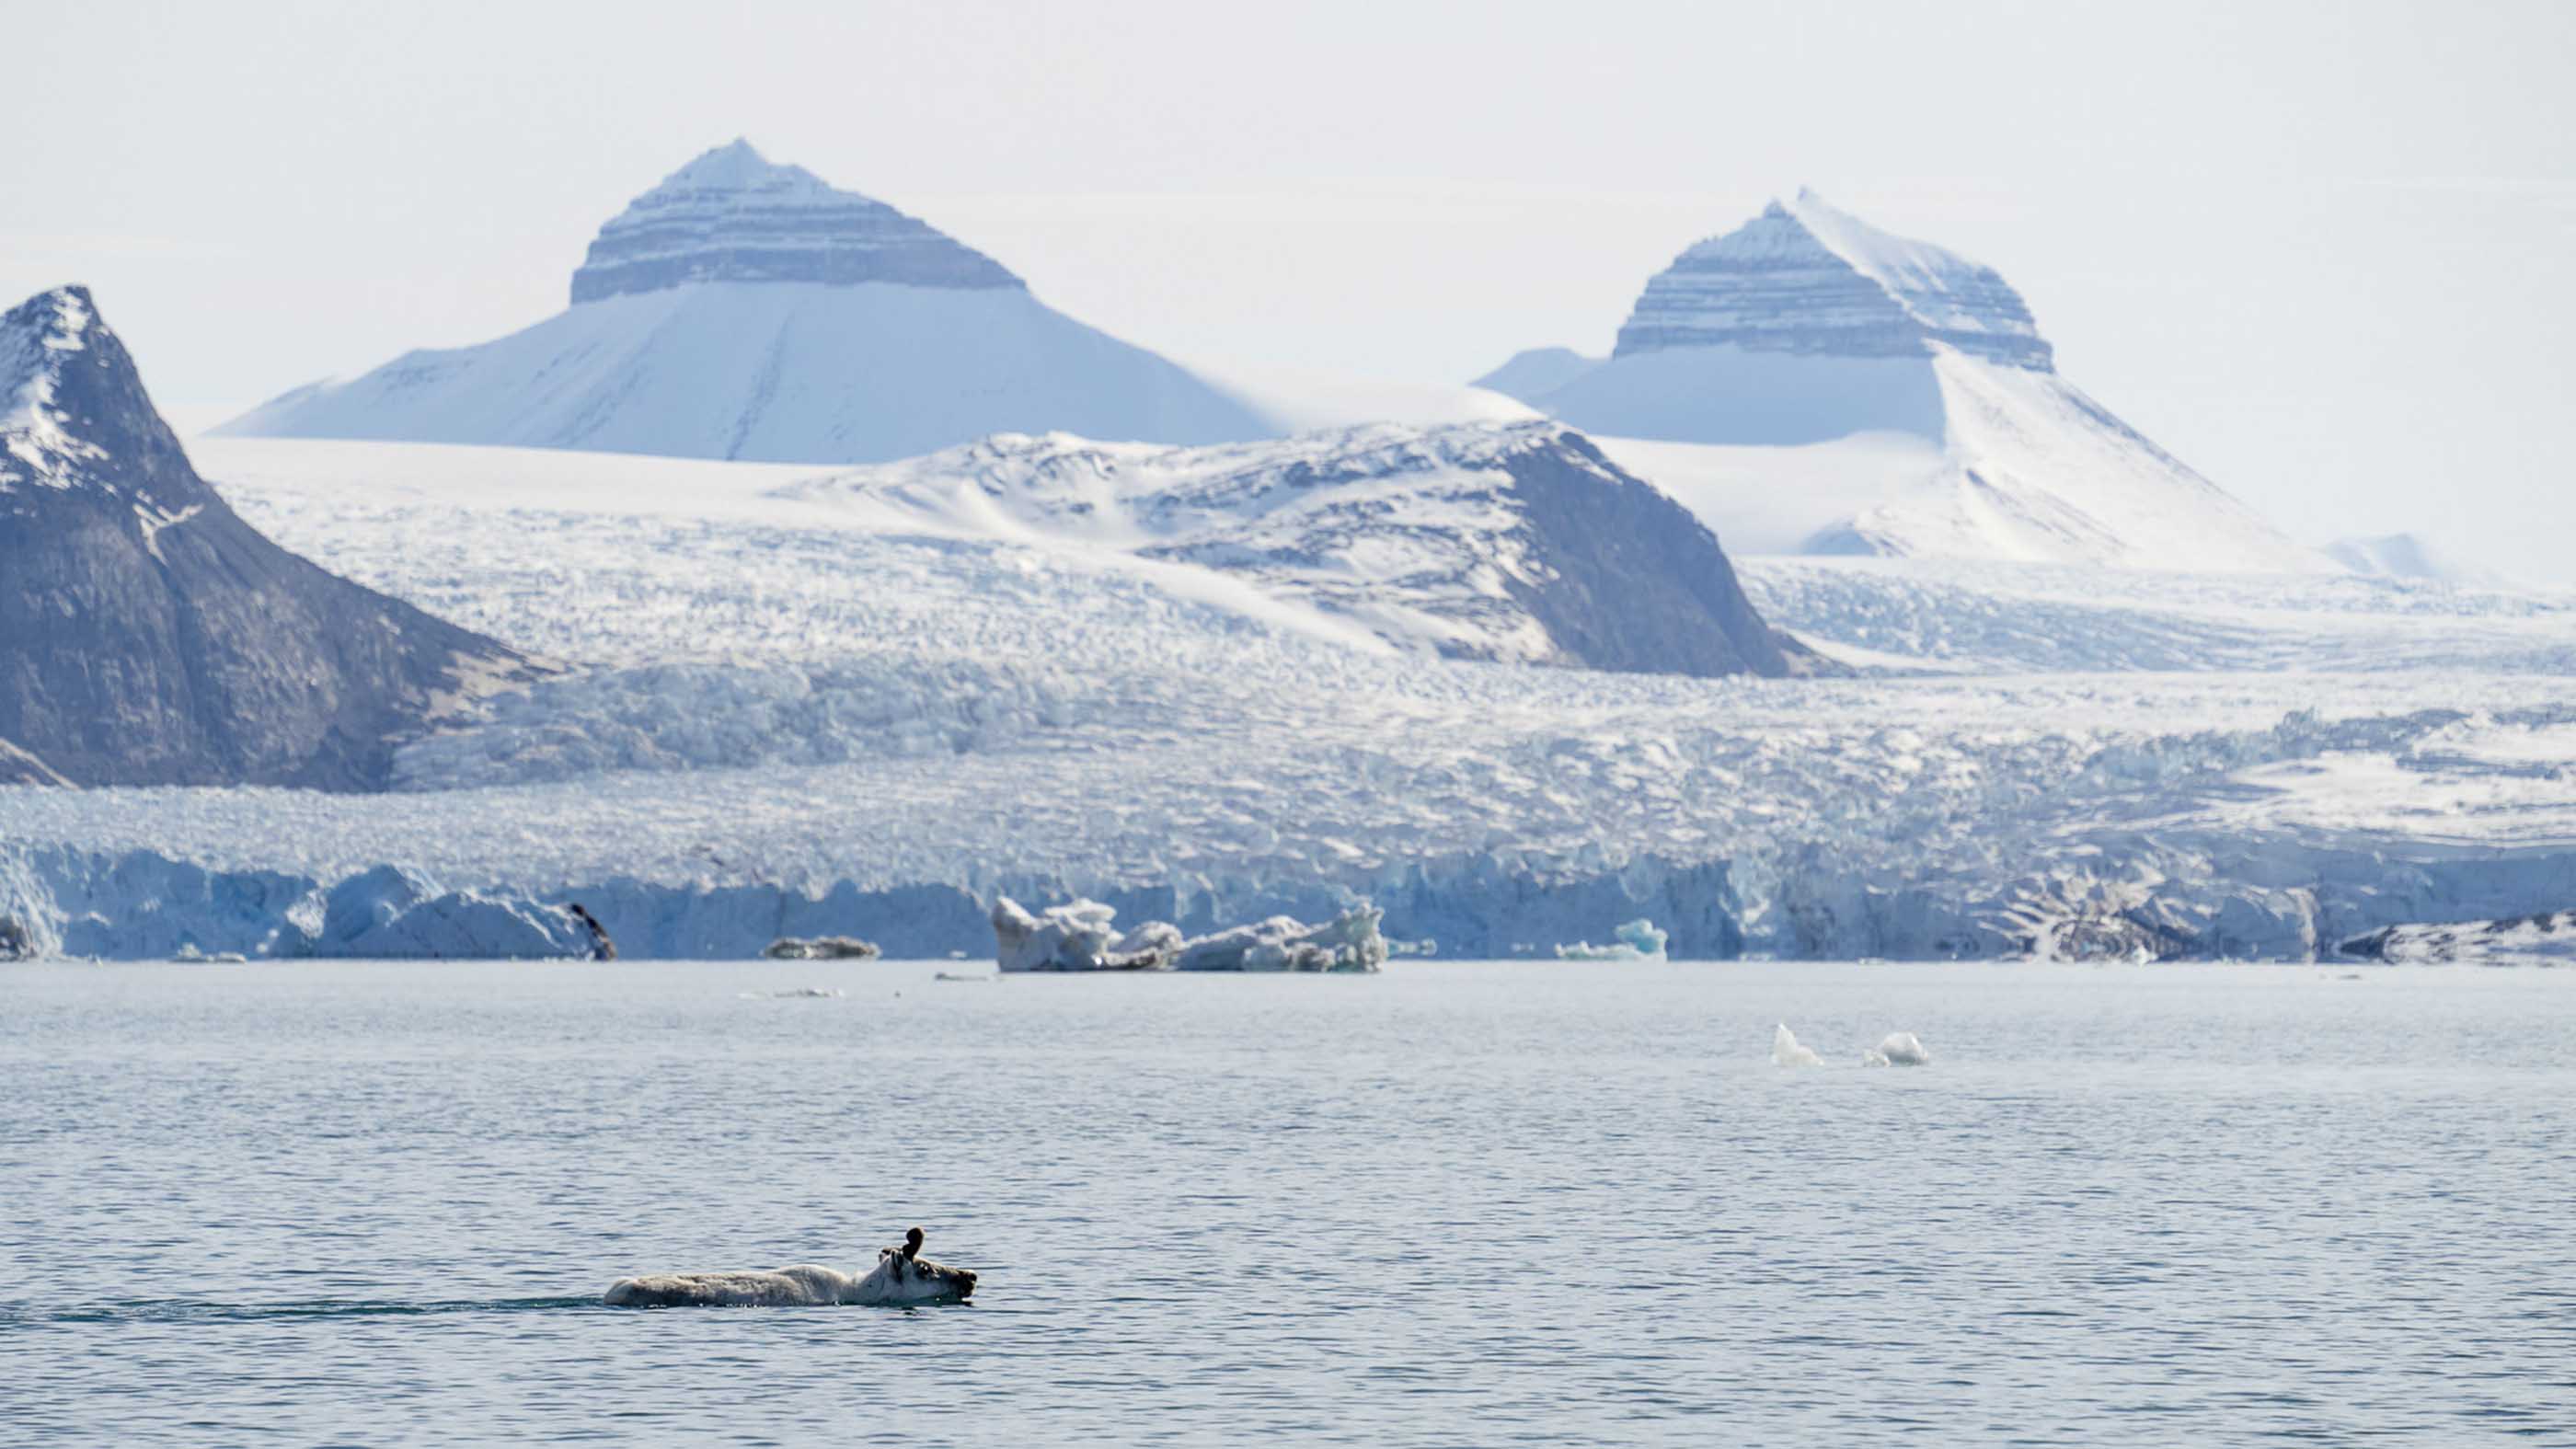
(918, 1280)
(927, 1279)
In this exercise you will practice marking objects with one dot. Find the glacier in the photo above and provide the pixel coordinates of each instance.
(780, 716)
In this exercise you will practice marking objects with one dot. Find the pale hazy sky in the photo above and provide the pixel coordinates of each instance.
(2320, 251)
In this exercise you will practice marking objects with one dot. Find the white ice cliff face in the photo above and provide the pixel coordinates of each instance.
(731, 216)
(743, 309)
(1784, 355)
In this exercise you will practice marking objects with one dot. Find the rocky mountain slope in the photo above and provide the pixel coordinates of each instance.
(1478, 541)
(147, 634)
(742, 309)
(1806, 327)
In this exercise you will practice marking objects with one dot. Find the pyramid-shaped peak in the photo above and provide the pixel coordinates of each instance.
(733, 215)
(71, 403)
(35, 338)
(1805, 276)
(737, 166)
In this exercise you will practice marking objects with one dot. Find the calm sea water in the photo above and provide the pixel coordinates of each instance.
(1454, 1204)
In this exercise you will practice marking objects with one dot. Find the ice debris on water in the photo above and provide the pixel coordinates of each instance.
(1786, 1051)
(1348, 942)
(1080, 936)
(1898, 1049)
(1638, 940)
(820, 948)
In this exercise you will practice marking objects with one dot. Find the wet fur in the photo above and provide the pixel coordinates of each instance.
(894, 1280)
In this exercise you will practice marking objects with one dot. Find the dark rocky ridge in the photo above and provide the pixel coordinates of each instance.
(1636, 582)
(148, 636)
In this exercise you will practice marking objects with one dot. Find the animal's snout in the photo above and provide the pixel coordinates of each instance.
(965, 1280)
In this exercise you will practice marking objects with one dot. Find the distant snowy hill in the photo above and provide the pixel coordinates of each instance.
(1806, 327)
(1512, 541)
(742, 309)
(147, 634)
(2406, 556)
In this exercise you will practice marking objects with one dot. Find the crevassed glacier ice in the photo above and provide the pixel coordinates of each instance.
(2039, 759)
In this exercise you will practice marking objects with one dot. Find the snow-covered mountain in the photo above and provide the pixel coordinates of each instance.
(743, 309)
(147, 634)
(1808, 327)
(1513, 541)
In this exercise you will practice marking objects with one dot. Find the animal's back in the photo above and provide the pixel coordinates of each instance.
(799, 1286)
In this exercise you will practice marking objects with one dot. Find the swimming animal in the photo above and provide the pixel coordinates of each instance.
(897, 1280)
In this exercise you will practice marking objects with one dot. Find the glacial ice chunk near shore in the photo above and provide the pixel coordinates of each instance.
(1081, 936)
(1897, 1049)
(1638, 940)
(1787, 1051)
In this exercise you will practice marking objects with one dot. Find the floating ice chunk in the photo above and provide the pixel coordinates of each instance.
(1787, 1052)
(1900, 1049)
(1078, 937)
(820, 948)
(1638, 940)
(17, 943)
(1348, 942)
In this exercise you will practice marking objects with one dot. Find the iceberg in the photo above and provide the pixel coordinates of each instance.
(1787, 1051)
(1638, 940)
(820, 948)
(1078, 937)
(2546, 936)
(1348, 942)
(1897, 1049)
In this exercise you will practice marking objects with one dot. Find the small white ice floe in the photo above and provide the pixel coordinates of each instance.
(1787, 1052)
(797, 993)
(1900, 1049)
